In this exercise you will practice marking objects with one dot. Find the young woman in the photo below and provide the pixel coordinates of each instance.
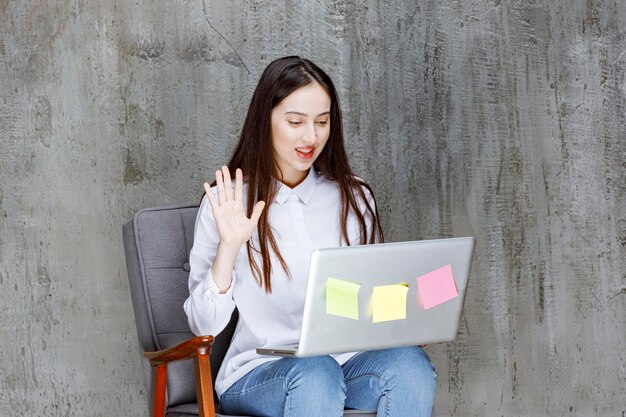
(252, 244)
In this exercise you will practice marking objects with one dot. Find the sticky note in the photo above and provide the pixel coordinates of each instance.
(436, 287)
(389, 302)
(342, 298)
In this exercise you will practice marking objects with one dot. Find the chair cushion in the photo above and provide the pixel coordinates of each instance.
(359, 413)
(188, 410)
(191, 410)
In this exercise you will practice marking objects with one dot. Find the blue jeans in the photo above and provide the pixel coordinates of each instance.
(395, 382)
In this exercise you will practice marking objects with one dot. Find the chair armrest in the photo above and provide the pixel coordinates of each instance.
(198, 346)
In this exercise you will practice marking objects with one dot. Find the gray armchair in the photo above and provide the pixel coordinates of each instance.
(179, 368)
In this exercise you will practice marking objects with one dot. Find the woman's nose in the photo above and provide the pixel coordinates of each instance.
(310, 134)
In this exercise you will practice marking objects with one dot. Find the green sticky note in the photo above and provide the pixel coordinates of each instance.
(389, 302)
(342, 298)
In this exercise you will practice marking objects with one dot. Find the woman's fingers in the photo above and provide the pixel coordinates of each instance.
(210, 196)
(228, 184)
(221, 194)
(238, 185)
(228, 207)
(256, 211)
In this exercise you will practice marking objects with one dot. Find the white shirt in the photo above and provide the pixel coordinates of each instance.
(304, 218)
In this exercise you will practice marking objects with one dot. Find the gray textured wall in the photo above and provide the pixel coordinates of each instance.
(501, 119)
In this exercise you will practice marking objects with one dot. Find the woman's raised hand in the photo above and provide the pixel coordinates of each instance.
(234, 226)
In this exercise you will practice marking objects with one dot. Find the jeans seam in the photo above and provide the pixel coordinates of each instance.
(288, 403)
(383, 392)
(368, 375)
(255, 387)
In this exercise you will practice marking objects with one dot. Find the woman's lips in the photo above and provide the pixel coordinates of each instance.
(306, 152)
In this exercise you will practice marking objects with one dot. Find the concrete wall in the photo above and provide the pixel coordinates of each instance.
(496, 118)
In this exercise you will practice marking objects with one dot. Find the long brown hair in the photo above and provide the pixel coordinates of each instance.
(253, 154)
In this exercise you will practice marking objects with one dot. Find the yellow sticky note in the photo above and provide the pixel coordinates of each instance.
(389, 302)
(342, 298)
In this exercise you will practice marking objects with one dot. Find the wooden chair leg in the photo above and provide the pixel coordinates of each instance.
(204, 385)
(160, 385)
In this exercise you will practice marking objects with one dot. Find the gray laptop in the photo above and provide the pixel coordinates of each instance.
(427, 319)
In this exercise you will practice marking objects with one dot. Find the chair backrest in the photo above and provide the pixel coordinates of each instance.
(157, 242)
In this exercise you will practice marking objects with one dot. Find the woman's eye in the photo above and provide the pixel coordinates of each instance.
(294, 123)
(323, 122)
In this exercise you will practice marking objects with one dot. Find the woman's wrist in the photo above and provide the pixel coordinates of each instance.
(229, 248)
(222, 269)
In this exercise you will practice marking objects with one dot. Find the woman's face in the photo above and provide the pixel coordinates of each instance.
(300, 129)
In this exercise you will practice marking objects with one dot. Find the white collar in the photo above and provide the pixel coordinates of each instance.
(304, 190)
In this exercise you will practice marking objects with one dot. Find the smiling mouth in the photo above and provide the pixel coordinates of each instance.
(306, 150)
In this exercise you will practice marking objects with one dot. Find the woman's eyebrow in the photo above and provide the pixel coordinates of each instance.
(304, 114)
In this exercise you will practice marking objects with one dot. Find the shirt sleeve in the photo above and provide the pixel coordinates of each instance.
(208, 311)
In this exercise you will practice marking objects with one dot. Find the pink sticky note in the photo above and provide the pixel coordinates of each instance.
(436, 287)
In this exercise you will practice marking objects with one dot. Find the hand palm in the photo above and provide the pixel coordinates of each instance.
(233, 224)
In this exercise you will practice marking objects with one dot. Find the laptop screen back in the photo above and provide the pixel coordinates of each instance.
(355, 295)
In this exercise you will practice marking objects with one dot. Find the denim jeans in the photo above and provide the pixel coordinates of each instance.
(396, 382)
